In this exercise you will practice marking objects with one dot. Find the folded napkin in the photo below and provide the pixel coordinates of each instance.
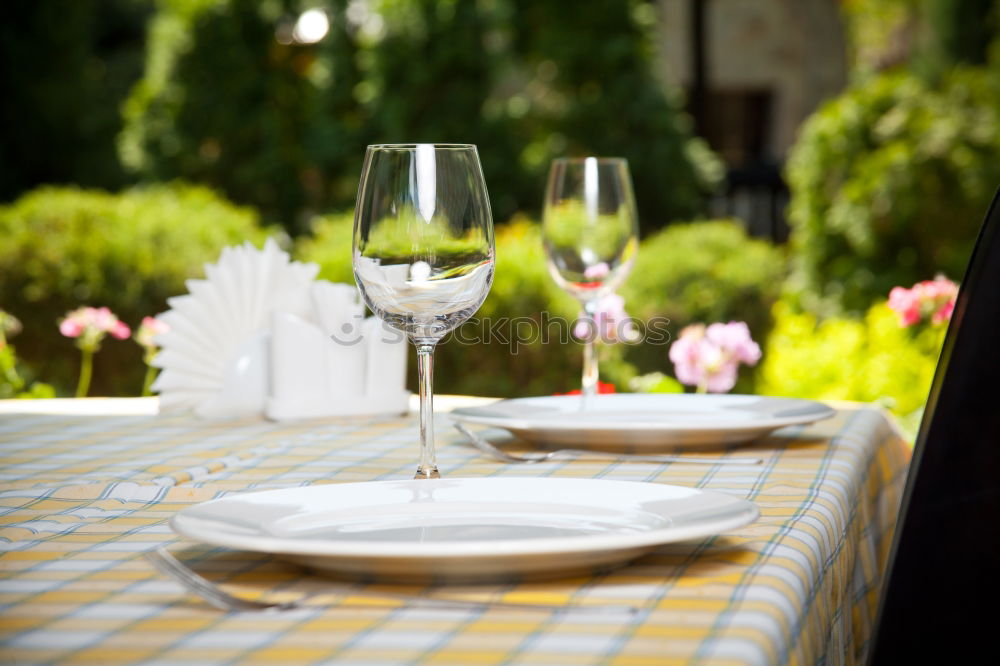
(259, 336)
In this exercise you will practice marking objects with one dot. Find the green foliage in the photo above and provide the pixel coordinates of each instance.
(224, 104)
(568, 226)
(520, 342)
(329, 246)
(66, 247)
(524, 326)
(930, 37)
(590, 90)
(656, 382)
(407, 234)
(956, 33)
(12, 381)
(282, 125)
(66, 67)
(889, 183)
(702, 272)
(873, 359)
(877, 31)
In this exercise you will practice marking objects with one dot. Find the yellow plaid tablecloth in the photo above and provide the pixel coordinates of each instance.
(82, 496)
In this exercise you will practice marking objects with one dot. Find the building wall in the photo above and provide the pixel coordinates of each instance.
(794, 48)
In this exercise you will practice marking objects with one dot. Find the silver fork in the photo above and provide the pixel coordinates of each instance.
(215, 595)
(169, 565)
(568, 454)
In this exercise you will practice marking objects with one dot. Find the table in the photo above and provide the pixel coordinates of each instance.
(83, 494)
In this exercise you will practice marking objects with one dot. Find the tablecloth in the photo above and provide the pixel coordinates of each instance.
(82, 496)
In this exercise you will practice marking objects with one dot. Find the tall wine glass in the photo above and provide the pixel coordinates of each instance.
(591, 236)
(423, 251)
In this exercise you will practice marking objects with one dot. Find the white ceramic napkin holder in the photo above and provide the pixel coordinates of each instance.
(341, 364)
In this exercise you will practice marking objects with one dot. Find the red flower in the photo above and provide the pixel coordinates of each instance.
(602, 387)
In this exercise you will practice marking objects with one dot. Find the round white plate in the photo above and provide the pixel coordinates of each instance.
(644, 420)
(495, 528)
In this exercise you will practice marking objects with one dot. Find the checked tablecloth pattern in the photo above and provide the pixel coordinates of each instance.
(81, 496)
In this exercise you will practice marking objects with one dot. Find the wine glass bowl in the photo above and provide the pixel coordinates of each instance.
(590, 235)
(423, 250)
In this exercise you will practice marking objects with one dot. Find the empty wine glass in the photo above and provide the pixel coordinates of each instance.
(423, 251)
(590, 234)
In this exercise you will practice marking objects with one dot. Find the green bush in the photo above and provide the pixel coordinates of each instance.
(708, 271)
(329, 246)
(702, 272)
(889, 184)
(872, 359)
(64, 247)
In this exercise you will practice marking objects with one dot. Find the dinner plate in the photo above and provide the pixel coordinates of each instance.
(624, 421)
(463, 529)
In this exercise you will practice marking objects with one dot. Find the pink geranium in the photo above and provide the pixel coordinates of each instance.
(148, 330)
(930, 300)
(610, 324)
(89, 326)
(709, 357)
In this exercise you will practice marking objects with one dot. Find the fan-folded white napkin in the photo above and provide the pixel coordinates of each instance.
(259, 336)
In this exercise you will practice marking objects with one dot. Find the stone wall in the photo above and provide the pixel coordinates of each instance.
(793, 48)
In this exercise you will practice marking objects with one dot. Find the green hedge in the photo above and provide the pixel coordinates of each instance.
(65, 247)
(705, 271)
(889, 184)
(870, 359)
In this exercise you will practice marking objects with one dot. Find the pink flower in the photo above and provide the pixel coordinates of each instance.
(611, 321)
(932, 300)
(71, 328)
(148, 330)
(89, 326)
(906, 304)
(735, 338)
(597, 271)
(709, 357)
(120, 330)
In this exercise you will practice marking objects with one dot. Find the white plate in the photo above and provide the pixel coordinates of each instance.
(463, 529)
(644, 420)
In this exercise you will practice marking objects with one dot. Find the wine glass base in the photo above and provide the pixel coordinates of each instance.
(431, 473)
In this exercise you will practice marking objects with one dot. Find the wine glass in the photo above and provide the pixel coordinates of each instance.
(591, 237)
(423, 251)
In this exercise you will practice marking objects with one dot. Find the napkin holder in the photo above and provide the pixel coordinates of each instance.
(259, 336)
(341, 365)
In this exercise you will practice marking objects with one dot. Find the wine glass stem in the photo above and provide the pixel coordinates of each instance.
(590, 371)
(427, 469)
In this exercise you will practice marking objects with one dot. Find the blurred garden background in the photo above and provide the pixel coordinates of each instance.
(793, 160)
